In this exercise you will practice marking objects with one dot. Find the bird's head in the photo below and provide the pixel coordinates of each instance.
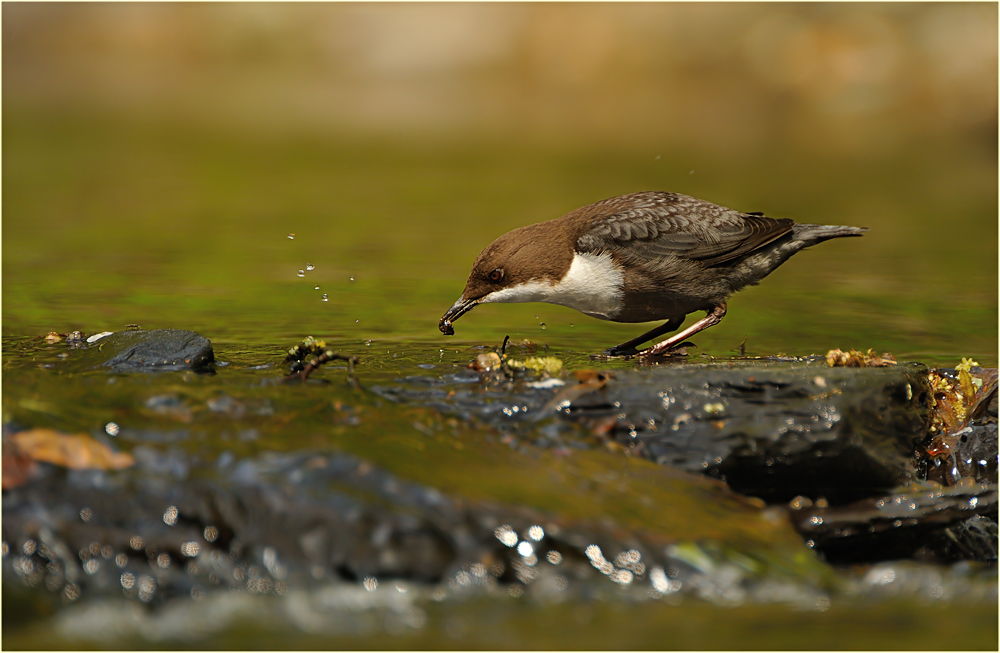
(516, 267)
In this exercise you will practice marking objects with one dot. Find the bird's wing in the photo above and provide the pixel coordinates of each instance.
(654, 225)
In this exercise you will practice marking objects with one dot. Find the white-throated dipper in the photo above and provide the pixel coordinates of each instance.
(636, 258)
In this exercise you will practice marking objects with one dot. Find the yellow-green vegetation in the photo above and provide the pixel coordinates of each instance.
(966, 381)
(953, 403)
(544, 364)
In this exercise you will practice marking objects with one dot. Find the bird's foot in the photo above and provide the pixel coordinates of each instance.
(680, 349)
(619, 350)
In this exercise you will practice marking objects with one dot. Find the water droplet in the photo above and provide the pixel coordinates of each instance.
(352, 278)
(356, 321)
(111, 429)
(310, 267)
(506, 535)
(315, 287)
(543, 325)
(325, 298)
(291, 236)
(301, 273)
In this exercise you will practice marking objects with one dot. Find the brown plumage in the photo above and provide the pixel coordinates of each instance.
(636, 258)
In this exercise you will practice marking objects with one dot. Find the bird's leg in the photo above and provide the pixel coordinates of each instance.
(713, 317)
(628, 348)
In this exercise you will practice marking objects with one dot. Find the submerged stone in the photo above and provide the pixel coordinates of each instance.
(140, 350)
(941, 525)
(281, 522)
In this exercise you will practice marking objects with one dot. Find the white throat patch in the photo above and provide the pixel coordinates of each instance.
(593, 285)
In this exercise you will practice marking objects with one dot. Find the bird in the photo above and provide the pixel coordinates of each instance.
(637, 258)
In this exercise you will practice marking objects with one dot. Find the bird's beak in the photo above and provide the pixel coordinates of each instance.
(457, 310)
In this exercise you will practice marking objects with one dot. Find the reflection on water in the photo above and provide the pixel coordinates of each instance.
(396, 145)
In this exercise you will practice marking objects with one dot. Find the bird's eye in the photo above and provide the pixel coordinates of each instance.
(496, 275)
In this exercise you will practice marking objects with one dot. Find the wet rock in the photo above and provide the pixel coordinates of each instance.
(838, 441)
(969, 451)
(769, 430)
(943, 524)
(972, 453)
(141, 350)
(778, 431)
(974, 538)
(279, 522)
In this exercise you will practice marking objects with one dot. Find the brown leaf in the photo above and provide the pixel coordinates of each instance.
(854, 358)
(590, 380)
(73, 451)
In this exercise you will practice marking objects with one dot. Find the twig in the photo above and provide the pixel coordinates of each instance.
(316, 362)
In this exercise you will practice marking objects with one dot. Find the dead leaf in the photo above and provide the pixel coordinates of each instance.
(72, 451)
(854, 358)
(955, 402)
(590, 380)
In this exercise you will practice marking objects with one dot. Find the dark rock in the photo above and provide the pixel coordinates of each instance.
(282, 521)
(143, 350)
(972, 539)
(779, 431)
(944, 524)
(772, 430)
(974, 456)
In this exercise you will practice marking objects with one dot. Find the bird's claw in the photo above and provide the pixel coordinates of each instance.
(620, 351)
(680, 349)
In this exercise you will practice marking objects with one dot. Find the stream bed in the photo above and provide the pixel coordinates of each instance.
(410, 501)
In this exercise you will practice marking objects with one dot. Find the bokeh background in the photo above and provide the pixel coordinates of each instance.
(157, 156)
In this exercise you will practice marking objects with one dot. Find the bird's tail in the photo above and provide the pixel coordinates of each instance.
(811, 234)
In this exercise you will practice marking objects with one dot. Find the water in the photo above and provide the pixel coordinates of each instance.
(913, 286)
(391, 262)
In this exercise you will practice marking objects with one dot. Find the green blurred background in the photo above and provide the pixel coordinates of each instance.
(157, 156)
